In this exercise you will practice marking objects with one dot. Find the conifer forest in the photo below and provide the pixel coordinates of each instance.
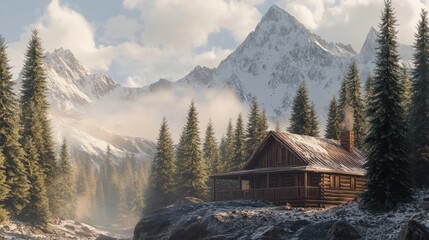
(288, 137)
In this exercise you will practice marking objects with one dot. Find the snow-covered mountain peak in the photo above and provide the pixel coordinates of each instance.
(369, 47)
(198, 76)
(66, 64)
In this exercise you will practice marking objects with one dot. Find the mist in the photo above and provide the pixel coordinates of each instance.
(143, 117)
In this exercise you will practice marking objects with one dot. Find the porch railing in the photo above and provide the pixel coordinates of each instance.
(282, 193)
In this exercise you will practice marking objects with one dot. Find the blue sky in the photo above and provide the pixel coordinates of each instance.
(136, 42)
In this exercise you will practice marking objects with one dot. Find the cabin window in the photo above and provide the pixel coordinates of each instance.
(335, 182)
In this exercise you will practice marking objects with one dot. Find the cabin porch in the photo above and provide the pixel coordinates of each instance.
(297, 188)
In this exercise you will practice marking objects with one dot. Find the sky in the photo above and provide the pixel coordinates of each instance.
(136, 42)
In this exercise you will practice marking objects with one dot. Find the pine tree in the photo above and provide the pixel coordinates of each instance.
(357, 105)
(211, 151)
(300, 120)
(253, 128)
(4, 191)
(138, 197)
(345, 99)
(34, 115)
(368, 87)
(388, 176)
(34, 118)
(64, 186)
(111, 185)
(239, 151)
(161, 184)
(333, 124)
(314, 121)
(223, 154)
(229, 147)
(191, 167)
(419, 116)
(16, 177)
(263, 126)
(37, 210)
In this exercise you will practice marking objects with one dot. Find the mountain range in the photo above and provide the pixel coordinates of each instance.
(270, 64)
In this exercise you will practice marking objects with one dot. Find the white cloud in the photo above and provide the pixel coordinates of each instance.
(187, 24)
(143, 117)
(61, 26)
(349, 21)
(122, 27)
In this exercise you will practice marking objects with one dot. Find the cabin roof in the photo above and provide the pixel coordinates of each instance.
(317, 153)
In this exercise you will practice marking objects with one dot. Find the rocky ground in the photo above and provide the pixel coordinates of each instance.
(262, 220)
(59, 230)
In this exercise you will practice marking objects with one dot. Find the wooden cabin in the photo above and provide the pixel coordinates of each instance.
(297, 169)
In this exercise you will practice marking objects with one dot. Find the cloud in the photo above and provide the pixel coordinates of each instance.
(349, 21)
(139, 63)
(187, 24)
(61, 26)
(143, 116)
(121, 27)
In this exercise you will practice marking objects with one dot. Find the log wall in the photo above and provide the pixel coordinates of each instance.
(336, 188)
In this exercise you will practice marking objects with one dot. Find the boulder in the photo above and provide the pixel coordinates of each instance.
(287, 206)
(342, 231)
(330, 230)
(414, 230)
(193, 231)
(104, 237)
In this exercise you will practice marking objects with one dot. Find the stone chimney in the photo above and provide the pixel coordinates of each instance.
(347, 138)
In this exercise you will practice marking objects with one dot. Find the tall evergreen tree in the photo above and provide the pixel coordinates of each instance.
(64, 186)
(211, 150)
(345, 99)
(239, 151)
(388, 176)
(357, 104)
(34, 117)
(333, 125)
(229, 147)
(419, 116)
(138, 197)
(263, 126)
(191, 166)
(368, 87)
(161, 183)
(37, 210)
(300, 120)
(111, 185)
(4, 191)
(253, 128)
(16, 177)
(314, 121)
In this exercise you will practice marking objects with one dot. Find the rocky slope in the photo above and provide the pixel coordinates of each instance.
(262, 220)
(60, 229)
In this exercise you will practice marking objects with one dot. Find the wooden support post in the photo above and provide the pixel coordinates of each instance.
(305, 184)
(214, 189)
